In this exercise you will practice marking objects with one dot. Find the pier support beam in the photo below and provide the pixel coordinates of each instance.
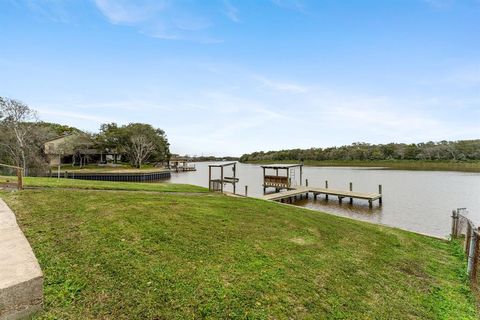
(351, 189)
(380, 192)
(326, 187)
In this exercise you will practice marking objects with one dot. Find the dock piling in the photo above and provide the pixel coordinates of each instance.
(380, 192)
(326, 187)
(351, 189)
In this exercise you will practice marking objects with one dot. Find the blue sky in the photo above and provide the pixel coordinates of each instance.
(229, 77)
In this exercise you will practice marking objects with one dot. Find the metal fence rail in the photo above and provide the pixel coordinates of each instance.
(464, 228)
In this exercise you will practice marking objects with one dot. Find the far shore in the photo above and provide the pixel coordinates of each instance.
(463, 166)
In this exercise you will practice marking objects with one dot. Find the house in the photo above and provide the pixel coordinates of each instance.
(75, 149)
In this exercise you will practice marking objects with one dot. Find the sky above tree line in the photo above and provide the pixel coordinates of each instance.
(230, 77)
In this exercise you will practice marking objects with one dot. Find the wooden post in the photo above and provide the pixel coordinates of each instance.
(468, 236)
(351, 189)
(221, 179)
(326, 187)
(381, 194)
(288, 179)
(20, 179)
(476, 256)
(264, 187)
(246, 191)
(315, 195)
(301, 174)
(234, 177)
(306, 182)
(209, 178)
(454, 233)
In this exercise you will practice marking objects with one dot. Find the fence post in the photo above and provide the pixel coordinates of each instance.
(476, 255)
(20, 179)
(471, 254)
(468, 236)
(454, 224)
(246, 191)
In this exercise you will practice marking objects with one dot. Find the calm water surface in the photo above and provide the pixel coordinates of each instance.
(419, 201)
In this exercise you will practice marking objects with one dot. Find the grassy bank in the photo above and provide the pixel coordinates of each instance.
(133, 255)
(36, 182)
(473, 166)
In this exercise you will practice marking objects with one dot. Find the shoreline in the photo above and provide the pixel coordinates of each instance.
(411, 165)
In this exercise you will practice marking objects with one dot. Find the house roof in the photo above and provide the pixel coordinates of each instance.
(58, 137)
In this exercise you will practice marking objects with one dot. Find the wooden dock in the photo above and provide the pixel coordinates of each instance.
(291, 195)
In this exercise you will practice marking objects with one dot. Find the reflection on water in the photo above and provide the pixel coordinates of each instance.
(419, 201)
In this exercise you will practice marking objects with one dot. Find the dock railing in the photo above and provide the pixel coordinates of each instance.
(463, 228)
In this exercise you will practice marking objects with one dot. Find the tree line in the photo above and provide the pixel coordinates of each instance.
(463, 150)
(22, 138)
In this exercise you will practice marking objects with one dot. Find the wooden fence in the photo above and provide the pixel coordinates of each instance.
(18, 172)
(464, 228)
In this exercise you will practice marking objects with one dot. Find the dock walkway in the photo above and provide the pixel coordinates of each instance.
(300, 191)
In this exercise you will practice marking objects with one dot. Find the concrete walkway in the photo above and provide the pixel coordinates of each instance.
(21, 279)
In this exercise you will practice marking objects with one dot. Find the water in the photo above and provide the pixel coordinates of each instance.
(419, 201)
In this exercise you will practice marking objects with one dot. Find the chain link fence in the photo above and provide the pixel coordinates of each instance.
(465, 229)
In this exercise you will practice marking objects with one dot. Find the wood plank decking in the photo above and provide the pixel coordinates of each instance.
(292, 194)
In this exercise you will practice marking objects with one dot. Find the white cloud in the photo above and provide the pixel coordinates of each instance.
(281, 86)
(164, 19)
(238, 111)
(231, 11)
(68, 116)
(130, 12)
(54, 10)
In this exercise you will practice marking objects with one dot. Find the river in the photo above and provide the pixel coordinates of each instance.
(419, 201)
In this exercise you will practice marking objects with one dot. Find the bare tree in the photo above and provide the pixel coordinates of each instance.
(140, 149)
(16, 119)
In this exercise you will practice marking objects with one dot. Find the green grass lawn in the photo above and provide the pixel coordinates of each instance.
(102, 185)
(467, 166)
(134, 255)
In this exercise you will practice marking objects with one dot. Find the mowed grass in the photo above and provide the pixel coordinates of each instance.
(41, 182)
(135, 255)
